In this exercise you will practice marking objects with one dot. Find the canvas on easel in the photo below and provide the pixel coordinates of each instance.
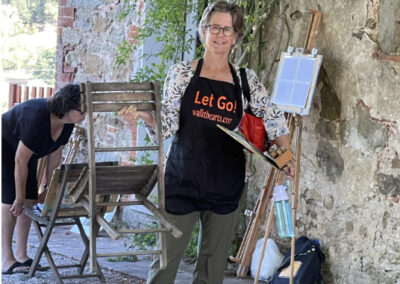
(295, 81)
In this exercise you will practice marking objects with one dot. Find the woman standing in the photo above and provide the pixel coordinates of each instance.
(205, 170)
(31, 130)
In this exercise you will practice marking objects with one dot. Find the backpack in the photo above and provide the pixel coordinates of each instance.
(307, 264)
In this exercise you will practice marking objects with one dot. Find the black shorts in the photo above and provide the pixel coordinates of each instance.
(8, 181)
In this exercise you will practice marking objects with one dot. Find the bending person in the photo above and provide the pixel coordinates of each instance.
(31, 130)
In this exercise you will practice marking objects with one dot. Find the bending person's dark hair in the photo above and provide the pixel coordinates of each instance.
(64, 100)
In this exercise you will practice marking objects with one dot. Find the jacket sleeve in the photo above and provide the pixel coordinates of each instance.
(174, 87)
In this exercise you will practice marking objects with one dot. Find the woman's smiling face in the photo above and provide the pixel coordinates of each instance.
(219, 43)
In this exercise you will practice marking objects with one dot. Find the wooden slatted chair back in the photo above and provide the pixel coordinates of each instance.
(112, 97)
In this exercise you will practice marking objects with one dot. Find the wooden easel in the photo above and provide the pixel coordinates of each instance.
(298, 123)
(257, 216)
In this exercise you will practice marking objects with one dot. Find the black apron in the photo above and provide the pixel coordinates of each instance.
(206, 168)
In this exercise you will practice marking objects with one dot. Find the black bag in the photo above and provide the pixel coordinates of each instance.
(307, 264)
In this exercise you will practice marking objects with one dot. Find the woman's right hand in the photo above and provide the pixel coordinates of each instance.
(129, 113)
(17, 207)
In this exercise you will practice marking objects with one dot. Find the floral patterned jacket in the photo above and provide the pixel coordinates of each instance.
(178, 79)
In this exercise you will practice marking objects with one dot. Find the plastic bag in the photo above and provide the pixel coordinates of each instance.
(271, 261)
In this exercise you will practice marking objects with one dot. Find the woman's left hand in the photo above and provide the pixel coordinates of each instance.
(17, 207)
(290, 169)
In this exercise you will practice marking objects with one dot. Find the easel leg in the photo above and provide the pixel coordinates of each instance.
(267, 232)
(298, 131)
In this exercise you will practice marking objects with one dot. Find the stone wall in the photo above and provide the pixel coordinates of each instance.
(350, 166)
(89, 33)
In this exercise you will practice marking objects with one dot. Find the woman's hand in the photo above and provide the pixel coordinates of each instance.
(129, 113)
(284, 142)
(17, 207)
(290, 169)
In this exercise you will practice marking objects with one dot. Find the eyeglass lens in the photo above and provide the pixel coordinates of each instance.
(214, 29)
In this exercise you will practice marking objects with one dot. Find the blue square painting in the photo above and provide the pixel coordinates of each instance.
(295, 82)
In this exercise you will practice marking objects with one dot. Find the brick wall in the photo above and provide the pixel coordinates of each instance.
(64, 74)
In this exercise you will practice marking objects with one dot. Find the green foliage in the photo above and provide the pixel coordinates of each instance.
(235, 245)
(23, 49)
(145, 159)
(145, 241)
(149, 241)
(153, 198)
(124, 51)
(17, 57)
(166, 22)
(35, 12)
(190, 253)
(45, 60)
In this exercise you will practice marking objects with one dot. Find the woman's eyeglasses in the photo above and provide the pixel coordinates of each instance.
(215, 29)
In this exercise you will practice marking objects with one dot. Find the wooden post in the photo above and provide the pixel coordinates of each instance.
(41, 92)
(33, 92)
(313, 29)
(92, 179)
(49, 92)
(298, 132)
(11, 95)
(26, 93)
(18, 95)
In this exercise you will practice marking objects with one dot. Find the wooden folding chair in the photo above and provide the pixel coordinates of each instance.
(64, 210)
(56, 212)
(138, 179)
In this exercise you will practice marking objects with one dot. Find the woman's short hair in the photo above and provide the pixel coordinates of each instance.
(64, 100)
(223, 7)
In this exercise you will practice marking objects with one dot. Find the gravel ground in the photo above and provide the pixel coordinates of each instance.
(45, 277)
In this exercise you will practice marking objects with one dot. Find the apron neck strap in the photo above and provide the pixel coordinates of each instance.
(198, 68)
(233, 72)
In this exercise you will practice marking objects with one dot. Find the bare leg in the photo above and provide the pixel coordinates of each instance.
(22, 232)
(7, 229)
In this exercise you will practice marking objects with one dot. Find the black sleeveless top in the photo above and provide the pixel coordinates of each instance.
(206, 168)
